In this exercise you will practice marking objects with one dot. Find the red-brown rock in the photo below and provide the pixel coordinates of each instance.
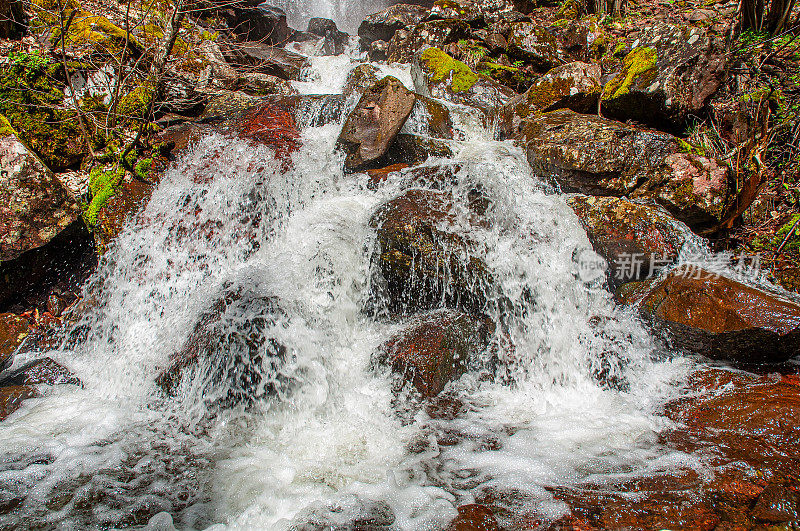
(437, 348)
(718, 317)
(474, 517)
(11, 398)
(13, 330)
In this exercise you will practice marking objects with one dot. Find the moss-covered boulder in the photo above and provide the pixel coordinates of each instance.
(91, 34)
(437, 348)
(406, 44)
(636, 240)
(573, 86)
(423, 259)
(438, 75)
(709, 314)
(375, 122)
(534, 44)
(31, 98)
(596, 156)
(671, 72)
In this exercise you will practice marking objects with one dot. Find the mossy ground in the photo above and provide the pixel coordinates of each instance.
(442, 65)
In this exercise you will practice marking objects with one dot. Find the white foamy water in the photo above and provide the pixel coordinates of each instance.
(347, 14)
(327, 442)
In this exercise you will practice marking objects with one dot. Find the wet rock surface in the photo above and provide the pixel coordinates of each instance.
(423, 258)
(437, 348)
(375, 122)
(711, 315)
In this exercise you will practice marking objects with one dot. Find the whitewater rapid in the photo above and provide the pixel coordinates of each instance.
(335, 446)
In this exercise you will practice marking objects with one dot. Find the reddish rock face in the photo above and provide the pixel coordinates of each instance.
(745, 429)
(720, 318)
(13, 330)
(620, 230)
(474, 518)
(11, 398)
(375, 122)
(437, 348)
(117, 210)
(421, 257)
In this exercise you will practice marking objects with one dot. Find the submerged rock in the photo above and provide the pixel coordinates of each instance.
(636, 240)
(44, 371)
(596, 156)
(375, 122)
(231, 355)
(11, 398)
(423, 260)
(437, 348)
(718, 317)
(672, 72)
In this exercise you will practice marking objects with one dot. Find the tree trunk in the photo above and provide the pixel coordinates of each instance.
(752, 14)
(778, 16)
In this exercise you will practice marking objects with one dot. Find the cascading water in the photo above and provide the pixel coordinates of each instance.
(327, 442)
(348, 14)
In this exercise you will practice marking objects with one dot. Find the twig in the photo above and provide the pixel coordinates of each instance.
(788, 235)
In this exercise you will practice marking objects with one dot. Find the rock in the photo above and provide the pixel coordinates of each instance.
(379, 175)
(258, 84)
(416, 149)
(438, 75)
(39, 220)
(778, 504)
(582, 40)
(378, 51)
(474, 518)
(11, 398)
(13, 330)
(534, 44)
(437, 348)
(360, 79)
(718, 317)
(176, 138)
(573, 86)
(422, 260)
(671, 73)
(383, 25)
(335, 40)
(375, 122)
(114, 214)
(267, 59)
(430, 118)
(636, 240)
(44, 371)
(271, 124)
(407, 44)
(595, 156)
(701, 15)
(253, 21)
(231, 354)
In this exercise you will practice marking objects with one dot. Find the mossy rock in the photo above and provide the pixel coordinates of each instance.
(136, 103)
(442, 66)
(96, 34)
(31, 99)
(638, 66)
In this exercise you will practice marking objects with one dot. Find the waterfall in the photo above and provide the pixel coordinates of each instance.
(327, 442)
(347, 14)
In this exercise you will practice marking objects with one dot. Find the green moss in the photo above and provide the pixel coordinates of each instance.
(638, 64)
(136, 102)
(142, 168)
(5, 127)
(32, 99)
(442, 65)
(97, 32)
(570, 10)
(103, 184)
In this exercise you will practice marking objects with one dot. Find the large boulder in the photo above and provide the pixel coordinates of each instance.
(375, 122)
(423, 259)
(406, 44)
(383, 25)
(438, 75)
(334, 41)
(44, 371)
(636, 240)
(671, 73)
(437, 348)
(535, 45)
(252, 20)
(265, 59)
(573, 86)
(717, 317)
(232, 354)
(596, 156)
(39, 220)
